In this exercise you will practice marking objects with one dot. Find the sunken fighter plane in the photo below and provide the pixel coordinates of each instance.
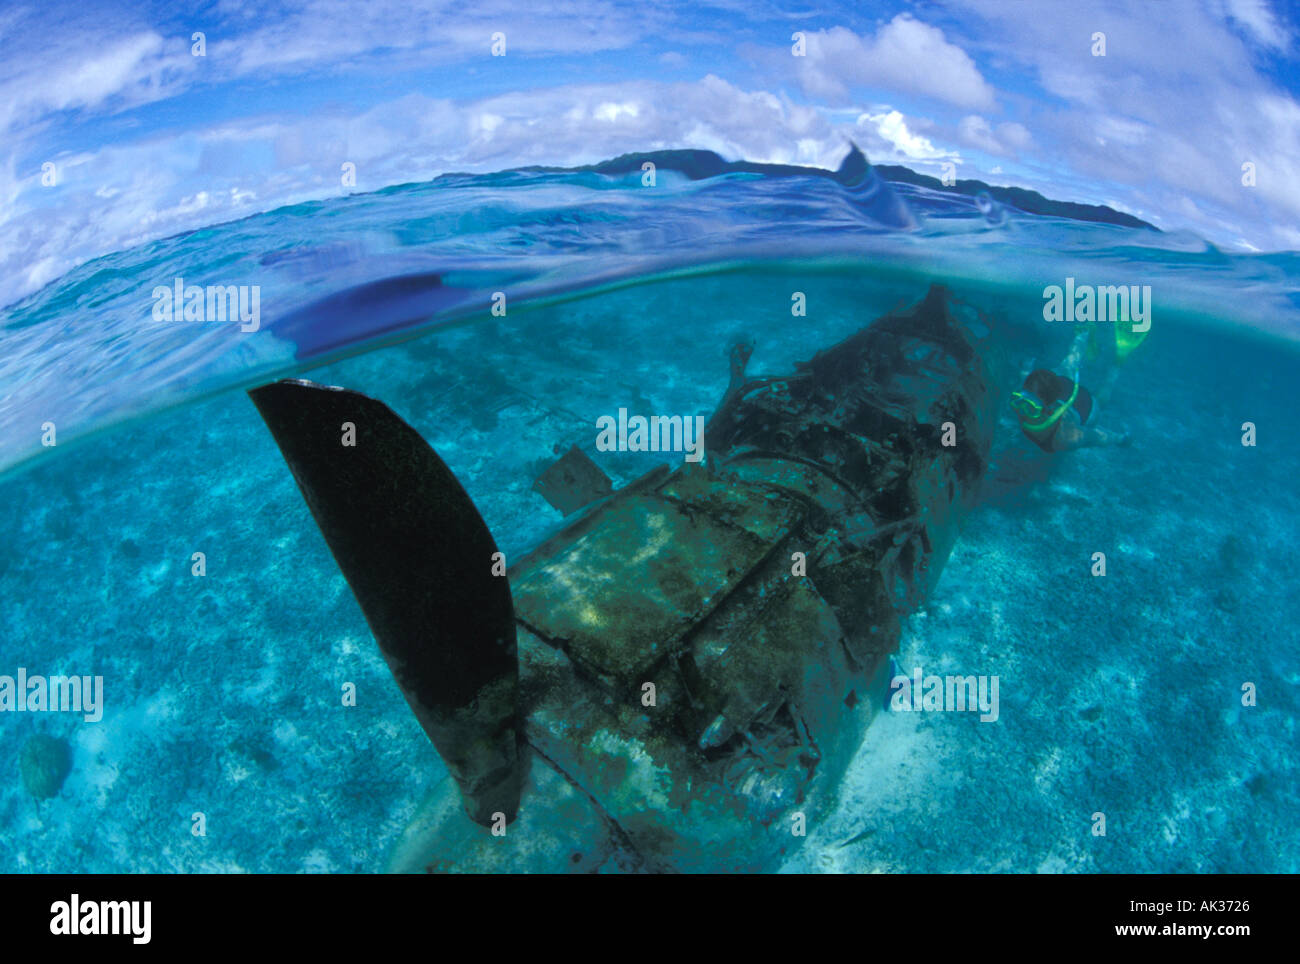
(678, 679)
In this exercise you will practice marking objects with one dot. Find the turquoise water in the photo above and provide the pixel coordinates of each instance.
(1119, 694)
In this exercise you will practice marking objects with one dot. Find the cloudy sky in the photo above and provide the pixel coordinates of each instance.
(113, 131)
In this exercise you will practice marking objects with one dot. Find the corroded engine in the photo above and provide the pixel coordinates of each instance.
(703, 649)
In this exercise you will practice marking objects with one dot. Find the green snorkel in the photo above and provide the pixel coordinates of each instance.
(1032, 412)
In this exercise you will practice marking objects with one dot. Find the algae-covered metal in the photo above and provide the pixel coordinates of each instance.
(701, 651)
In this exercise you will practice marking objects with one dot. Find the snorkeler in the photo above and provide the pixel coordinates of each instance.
(1053, 409)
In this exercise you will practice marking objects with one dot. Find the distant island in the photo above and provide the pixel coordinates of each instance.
(697, 165)
(1017, 197)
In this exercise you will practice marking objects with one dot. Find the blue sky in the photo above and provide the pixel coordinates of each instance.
(146, 139)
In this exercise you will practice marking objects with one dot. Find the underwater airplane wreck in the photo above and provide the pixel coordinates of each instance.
(678, 679)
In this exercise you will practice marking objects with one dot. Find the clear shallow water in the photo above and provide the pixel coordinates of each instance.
(222, 693)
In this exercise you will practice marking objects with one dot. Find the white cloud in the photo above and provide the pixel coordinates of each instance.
(1172, 111)
(892, 126)
(132, 69)
(1009, 139)
(1258, 20)
(905, 56)
(610, 112)
(93, 58)
(432, 32)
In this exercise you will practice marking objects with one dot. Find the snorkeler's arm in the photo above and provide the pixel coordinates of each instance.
(1070, 436)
